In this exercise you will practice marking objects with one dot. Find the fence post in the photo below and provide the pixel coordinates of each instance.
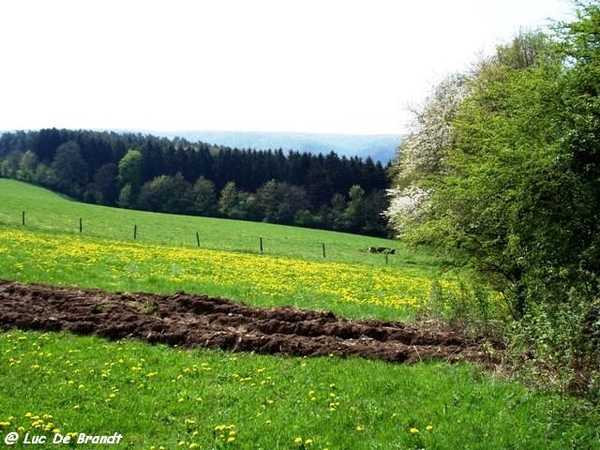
(134, 232)
(23, 218)
(80, 225)
(323, 244)
(261, 245)
(197, 239)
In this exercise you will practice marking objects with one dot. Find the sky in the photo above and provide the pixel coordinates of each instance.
(318, 66)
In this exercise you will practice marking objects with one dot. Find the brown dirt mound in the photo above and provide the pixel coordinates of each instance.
(191, 320)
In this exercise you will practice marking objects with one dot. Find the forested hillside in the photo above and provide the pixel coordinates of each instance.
(176, 176)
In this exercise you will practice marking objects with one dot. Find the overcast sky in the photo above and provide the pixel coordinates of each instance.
(250, 65)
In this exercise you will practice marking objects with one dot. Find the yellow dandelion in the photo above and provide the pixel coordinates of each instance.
(298, 441)
(429, 427)
(414, 430)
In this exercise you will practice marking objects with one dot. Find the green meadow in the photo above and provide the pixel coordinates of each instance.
(47, 211)
(160, 397)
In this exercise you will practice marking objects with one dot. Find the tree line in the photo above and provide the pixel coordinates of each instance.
(176, 176)
(501, 169)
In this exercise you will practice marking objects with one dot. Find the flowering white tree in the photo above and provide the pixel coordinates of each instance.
(422, 153)
(407, 205)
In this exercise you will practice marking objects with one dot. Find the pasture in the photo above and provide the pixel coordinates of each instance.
(165, 257)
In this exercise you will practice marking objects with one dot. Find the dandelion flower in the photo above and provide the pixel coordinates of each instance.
(298, 440)
(429, 427)
(414, 430)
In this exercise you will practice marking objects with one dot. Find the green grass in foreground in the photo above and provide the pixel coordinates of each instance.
(158, 396)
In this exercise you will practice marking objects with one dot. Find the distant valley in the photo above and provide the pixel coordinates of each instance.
(380, 147)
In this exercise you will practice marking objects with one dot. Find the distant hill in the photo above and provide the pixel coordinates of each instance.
(380, 147)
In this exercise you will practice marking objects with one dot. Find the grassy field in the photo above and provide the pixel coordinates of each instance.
(161, 397)
(47, 211)
(165, 257)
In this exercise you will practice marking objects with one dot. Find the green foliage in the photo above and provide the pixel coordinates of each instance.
(169, 194)
(518, 196)
(229, 200)
(130, 170)
(69, 169)
(303, 184)
(204, 197)
(160, 397)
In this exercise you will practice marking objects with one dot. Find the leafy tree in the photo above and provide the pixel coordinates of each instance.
(169, 194)
(506, 151)
(516, 192)
(291, 200)
(228, 201)
(422, 153)
(130, 170)
(105, 181)
(10, 165)
(205, 199)
(126, 198)
(70, 168)
(27, 166)
(335, 216)
(355, 213)
(268, 201)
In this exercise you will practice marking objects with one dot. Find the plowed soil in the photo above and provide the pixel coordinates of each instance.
(192, 320)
